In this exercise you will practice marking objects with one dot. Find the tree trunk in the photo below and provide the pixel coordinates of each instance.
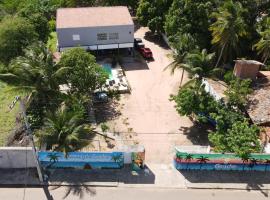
(220, 55)
(182, 77)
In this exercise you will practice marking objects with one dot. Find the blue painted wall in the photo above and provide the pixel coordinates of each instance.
(82, 160)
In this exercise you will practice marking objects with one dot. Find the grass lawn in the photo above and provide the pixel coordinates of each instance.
(7, 119)
(51, 44)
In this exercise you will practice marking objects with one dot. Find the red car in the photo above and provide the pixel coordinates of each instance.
(146, 53)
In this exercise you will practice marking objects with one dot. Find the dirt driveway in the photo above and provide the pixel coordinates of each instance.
(147, 111)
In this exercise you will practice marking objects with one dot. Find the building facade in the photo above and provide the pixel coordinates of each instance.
(95, 28)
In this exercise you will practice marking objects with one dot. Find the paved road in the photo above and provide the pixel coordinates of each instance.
(129, 193)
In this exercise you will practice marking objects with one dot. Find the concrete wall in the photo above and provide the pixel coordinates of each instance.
(88, 36)
(15, 157)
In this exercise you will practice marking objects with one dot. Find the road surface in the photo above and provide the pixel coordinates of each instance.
(84, 193)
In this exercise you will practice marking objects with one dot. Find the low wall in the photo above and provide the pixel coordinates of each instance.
(16, 157)
(82, 160)
(191, 160)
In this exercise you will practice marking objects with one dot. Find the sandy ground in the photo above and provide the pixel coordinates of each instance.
(147, 111)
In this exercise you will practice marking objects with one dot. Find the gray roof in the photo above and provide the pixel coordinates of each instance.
(93, 17)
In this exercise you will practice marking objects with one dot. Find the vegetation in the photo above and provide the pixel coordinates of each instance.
(83, 73)
(15, 34)
(7, 118)
(65, 131)
(232, 131)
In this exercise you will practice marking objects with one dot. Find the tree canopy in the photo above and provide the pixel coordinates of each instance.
(16, 33)
(83, 73)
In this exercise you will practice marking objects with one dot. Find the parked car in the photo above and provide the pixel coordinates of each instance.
(137, 41)
(146, 53)
(100, 97)
(140, 45)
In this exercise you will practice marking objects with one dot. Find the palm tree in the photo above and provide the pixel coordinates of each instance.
(188, 158)
(35, 72)
(182, 44)
(200, 63)
(53, 159)
(118, 159)
(263, 45)
(202, 160)
(227, 30)
(64, 131)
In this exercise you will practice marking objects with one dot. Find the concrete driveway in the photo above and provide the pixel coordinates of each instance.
(147, 111)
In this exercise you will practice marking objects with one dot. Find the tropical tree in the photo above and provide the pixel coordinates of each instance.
(53, 159)
(83, 73)
(200, 63)
(36, 73)
(15, 34)
(195, 100)
(65, 131)
(228, 29)
(263, 45)
(182, 44)
(188, 158)
(202, 160)
(190, 17)
(237, 93)
(152, 14)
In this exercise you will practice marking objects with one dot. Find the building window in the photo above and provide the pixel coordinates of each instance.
(102, 36)
(76, 37)
(113, 36)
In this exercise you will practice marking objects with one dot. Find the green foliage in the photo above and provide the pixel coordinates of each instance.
(35, 73)
(52, 42)
(229, 76)
(263, 45)
(237, 92)
(240, 138)
(190, 17)
(83, 73)
(104, 127)
(152, 14)
(15, 34)
(65, 131)
(194, 100)
(227, 30)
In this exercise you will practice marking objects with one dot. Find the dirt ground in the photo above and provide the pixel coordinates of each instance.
(147, 115)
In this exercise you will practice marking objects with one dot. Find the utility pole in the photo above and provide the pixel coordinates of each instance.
(29, 134)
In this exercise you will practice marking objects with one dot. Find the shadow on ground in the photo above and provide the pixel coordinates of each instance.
(101, 176)
(132, 64)
(197, 134)
(157, 39)
(106, 111)
(254, 180)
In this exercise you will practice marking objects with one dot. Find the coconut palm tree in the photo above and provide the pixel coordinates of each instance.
(188, 158)
(263, 45)
(228, 29)
(53, 159)
(202, 160)
(64, 131)
(182, 44)
(200, 63)
(35, 72)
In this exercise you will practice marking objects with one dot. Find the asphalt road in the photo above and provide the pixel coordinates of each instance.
(83, 193)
